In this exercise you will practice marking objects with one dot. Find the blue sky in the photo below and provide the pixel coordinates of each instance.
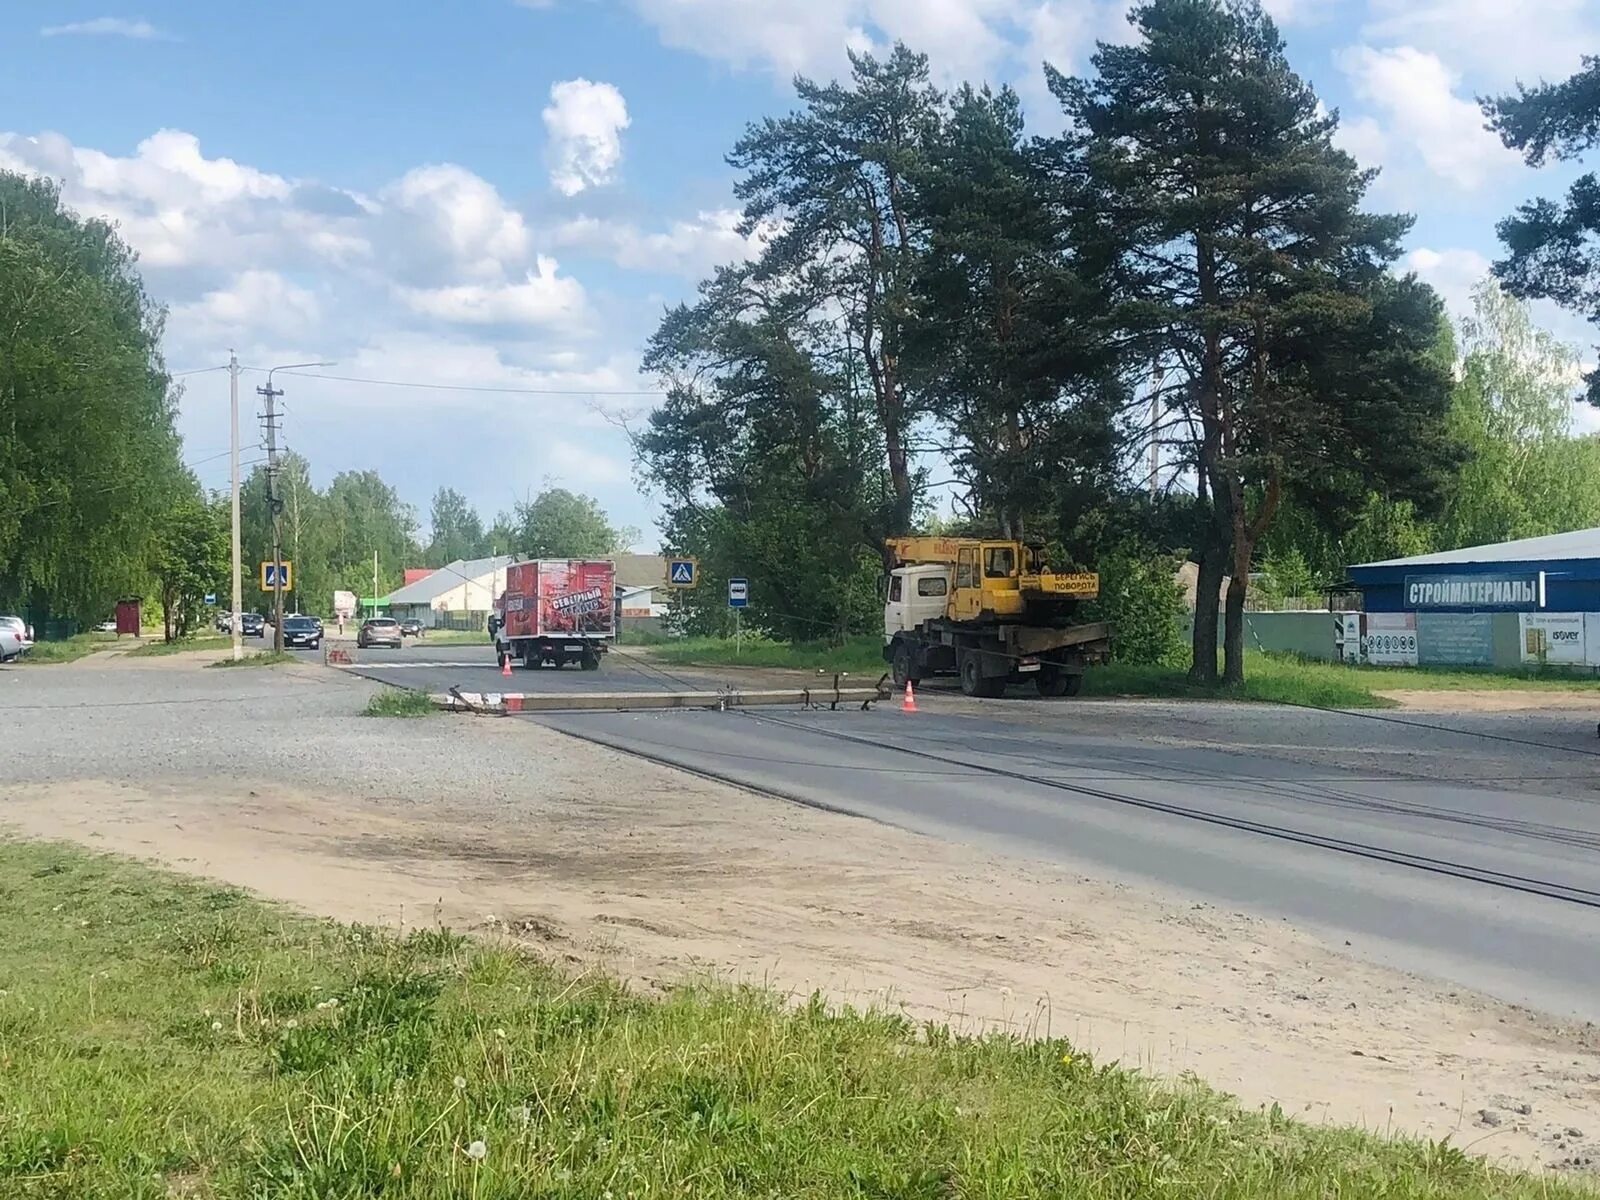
(505, 193)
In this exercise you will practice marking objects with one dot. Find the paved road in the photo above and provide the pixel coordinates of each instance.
(1487, 885)
(435, 667)
(1473, 855)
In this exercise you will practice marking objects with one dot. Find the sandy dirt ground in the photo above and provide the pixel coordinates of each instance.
(621, 865)
(1490, 700)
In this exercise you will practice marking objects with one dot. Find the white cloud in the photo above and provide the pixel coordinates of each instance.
(256, 302)
(570, 463)
(1453, 274)
(584, 123)
(543, 297)
(449, 220)
(1421, 117)
(689, 248)
(1500, 40)
(106, 27)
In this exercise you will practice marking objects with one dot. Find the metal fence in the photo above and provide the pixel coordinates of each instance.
(470, 621)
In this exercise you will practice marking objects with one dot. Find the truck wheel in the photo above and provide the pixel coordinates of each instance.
(591, 662)
(973, 680)
(900, 666)
(1059, 683)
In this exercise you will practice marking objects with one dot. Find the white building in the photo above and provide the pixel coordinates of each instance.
(464, 586)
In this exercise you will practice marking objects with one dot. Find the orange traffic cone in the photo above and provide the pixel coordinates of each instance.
(505, 665)
(909, 704)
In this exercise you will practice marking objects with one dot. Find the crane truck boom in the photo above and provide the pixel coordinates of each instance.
(991, 612)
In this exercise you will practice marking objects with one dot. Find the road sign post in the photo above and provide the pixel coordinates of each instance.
(738, 600)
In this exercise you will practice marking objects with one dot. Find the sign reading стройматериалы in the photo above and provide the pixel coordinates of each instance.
(1509, 593)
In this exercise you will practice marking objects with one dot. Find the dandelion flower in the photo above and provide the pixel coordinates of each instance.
(460, 1083)
(291, 1023)
(477, 1151)
(216, 1027)
(500, 1033)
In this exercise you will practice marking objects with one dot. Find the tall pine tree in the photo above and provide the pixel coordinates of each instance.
(1233, 240)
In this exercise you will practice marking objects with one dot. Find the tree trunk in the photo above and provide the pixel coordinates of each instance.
(1233, 631)
(1203, 670)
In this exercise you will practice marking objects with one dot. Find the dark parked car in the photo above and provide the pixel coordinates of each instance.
(302, 631)
(379, 631)
(411, 628)
(253, 625)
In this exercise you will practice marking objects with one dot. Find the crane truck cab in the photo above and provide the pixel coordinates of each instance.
(991, 612)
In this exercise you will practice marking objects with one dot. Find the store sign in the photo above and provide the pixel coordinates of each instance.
(1560, 639)
(1455, 639)
(1391, 640)
(1509, 593)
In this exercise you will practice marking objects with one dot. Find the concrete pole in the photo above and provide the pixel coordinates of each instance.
(238, 567)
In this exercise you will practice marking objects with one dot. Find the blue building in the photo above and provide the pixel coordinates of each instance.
(1559, 573)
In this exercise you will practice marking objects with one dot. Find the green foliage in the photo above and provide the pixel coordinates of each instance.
(190, 559)
(1553, 250)
(233, 1050)
(457, 530)
(1527, 474)
(89, 460)
(1229, 231)
(561, 524)
(1141, 597)
(261, 658)
(399, 702)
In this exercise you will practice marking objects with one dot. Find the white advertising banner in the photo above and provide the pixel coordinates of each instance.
(1391, 639)
(1591, 629)
(1556, 638)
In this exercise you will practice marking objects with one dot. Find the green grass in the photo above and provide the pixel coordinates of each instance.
(70, 650)
(858, 655)
(261, 658)
(400, 702)
(162, 1037)
(1287, 679)
(183, 645)
(453, 637)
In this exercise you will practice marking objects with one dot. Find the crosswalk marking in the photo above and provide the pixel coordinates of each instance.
(418, 666)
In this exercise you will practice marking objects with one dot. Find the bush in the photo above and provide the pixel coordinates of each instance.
(1140, 596)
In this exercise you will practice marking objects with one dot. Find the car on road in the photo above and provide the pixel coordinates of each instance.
(253, 625)
(302, 631)
(16, 638)
(106, 627)
(411, 628)
(379, 631)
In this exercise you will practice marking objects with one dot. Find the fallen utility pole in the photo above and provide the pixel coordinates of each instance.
(499, 703)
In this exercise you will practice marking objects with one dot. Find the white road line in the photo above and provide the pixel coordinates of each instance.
(419, 666)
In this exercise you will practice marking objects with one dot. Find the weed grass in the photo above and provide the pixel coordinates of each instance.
(169, 1037)
(858, 655)
(261, 658)
(400, 702)
(181, 646)
(69, 650)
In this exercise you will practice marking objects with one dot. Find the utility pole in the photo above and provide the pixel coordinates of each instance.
(276, 502)
(238, 567)
(1158, 376)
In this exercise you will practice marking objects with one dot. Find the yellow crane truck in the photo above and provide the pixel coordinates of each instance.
(989, 612)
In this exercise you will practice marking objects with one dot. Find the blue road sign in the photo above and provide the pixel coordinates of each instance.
(683, 572)
(275, 575)
(211, 598)
(738, 593)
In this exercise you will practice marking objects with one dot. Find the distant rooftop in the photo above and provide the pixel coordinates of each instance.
(451, 575)
(1580, 543)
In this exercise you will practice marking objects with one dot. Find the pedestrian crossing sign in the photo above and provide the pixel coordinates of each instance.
(275, 575)
(683, 572)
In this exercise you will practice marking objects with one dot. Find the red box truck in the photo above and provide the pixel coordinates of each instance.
(557, 610)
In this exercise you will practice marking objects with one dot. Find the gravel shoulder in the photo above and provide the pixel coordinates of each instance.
(272, 782)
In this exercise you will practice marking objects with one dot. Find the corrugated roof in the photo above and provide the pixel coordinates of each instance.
(641, 570)
(1580, 543)
(452, 575)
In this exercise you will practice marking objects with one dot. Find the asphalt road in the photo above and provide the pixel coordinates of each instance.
(1466, 848)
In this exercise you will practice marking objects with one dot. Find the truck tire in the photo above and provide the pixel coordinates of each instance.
(900, 665)
(974, 682)
(1059, 683)
(591, 661)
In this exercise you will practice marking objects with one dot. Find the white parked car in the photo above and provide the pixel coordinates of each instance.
(16, 638)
